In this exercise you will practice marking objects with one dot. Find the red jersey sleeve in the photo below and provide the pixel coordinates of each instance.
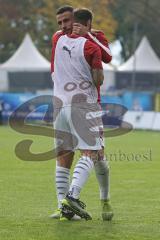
(93, 55)
(55, 38)
(106, 54)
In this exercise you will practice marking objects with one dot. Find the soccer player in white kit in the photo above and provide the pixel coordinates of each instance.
(75, 92)
(61, 172)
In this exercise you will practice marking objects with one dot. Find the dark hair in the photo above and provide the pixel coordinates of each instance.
(82, 15)
(63, 9)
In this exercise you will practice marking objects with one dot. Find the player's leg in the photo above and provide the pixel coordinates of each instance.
(64, 163)
(101, 167)
(62, 179)
(81, 173)
(102, 173)
(89, 142)
(63, 144)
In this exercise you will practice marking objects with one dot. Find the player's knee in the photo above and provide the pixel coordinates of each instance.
(92, 154)
(65, 159)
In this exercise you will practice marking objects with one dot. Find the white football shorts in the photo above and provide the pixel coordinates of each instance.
(78, 128)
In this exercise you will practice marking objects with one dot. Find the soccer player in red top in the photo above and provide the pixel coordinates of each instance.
(65, 21)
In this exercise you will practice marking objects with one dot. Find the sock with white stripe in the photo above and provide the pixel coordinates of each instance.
(62, 183)
(102, 174)
(80, 175)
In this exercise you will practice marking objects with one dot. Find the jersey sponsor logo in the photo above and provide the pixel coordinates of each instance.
(71, 86)
(65, 48)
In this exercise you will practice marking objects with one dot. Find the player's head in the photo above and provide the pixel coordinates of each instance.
(83, 16)
(64, 17)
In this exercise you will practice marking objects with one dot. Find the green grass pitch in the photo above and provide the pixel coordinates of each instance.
(27, 192)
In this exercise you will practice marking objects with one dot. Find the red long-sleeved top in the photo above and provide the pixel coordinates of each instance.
(106, 57)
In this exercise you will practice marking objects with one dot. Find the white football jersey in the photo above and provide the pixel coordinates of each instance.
(72, 74)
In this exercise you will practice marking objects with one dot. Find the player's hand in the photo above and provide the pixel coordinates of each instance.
(79, 29)
(95, 31)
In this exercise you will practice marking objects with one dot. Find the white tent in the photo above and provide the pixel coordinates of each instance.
(26, 58)
(26, 69)
(108, 67)
(144, 59)
(116, 49)
(109, 78)
(3, 80)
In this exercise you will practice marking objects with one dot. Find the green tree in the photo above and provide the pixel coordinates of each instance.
(103, 18)
(18, 17)
(143, 13)
(38, 17)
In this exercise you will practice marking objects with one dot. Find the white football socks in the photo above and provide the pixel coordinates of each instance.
(102, 174)
(62, 183)
(80, 175)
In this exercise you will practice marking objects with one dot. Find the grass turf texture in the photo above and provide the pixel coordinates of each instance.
(27, 195)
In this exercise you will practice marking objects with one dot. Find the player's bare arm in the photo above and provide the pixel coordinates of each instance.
(98, 77)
